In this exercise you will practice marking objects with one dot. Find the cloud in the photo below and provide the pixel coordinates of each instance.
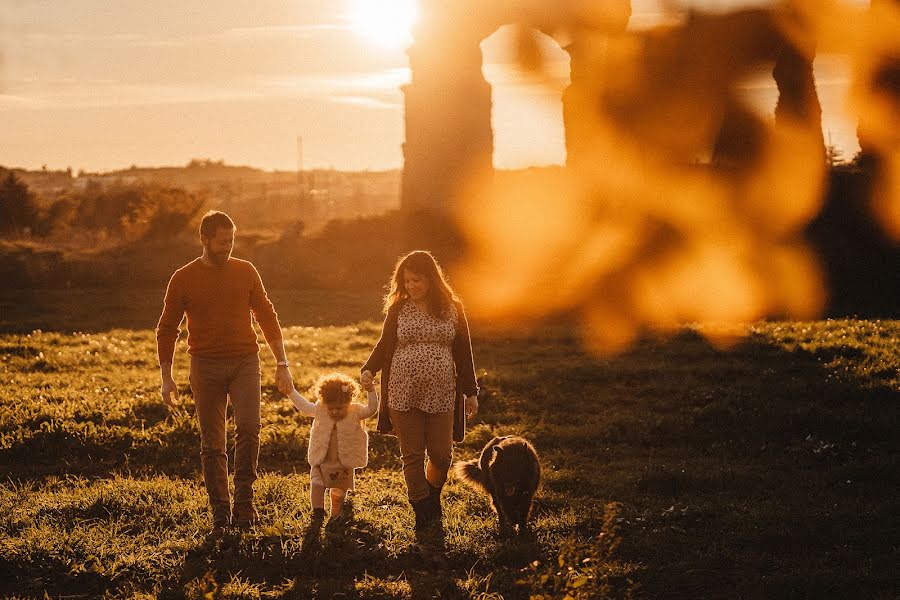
(349, 84)
(287, 30)
(367, 102)
(268, 32)
(378, 90)
(44, 39)
(73, 94)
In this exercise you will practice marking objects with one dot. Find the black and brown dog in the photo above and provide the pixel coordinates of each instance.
(509, 471)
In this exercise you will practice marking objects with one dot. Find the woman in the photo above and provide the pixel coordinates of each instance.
(428, 387)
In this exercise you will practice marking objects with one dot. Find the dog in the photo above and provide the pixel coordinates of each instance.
(509, 471)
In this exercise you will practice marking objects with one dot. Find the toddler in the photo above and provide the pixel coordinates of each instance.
(338, 442)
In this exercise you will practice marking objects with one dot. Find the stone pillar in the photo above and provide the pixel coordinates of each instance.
(447, 110)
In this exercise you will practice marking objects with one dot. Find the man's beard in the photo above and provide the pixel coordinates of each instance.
(219, 258)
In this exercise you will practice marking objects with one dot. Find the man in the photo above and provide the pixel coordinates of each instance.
(218, 293)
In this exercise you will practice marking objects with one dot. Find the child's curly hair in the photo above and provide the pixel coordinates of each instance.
(336, 388)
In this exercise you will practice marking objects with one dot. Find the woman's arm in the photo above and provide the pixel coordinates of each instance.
(462, 355)
(302, 404)
(377, 358)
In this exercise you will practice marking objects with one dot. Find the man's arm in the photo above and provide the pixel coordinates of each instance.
(167, 330)
(264, 312)
(283, 379)
(168, 389)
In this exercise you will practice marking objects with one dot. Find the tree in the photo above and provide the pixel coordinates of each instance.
(134, 211)
(17, 205)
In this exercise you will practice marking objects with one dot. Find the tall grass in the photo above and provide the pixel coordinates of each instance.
(676, 470)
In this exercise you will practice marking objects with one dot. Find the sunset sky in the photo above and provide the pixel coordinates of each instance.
(101, 85)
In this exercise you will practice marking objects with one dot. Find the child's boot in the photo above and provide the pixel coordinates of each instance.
(340, 508)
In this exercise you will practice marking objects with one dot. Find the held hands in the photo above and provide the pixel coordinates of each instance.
(367, 380)
(283, 380)
(471, 406)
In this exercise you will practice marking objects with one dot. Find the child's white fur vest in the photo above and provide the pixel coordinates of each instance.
(353, 440)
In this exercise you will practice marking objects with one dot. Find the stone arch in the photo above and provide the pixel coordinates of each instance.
(515, 94)
(448, 103)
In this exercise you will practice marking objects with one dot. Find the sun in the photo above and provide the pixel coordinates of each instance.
(387, 23)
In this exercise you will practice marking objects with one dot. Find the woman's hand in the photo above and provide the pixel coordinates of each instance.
(471, 406)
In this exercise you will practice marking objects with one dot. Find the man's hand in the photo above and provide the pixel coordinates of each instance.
(283, 380)
(471, 406)
(169, 392)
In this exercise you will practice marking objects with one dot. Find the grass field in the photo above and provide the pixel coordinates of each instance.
(673, 471)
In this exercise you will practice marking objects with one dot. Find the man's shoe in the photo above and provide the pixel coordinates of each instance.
(218, 531)
(244, 516)
(244, 525)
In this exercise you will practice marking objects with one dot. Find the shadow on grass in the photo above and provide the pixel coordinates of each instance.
(320, 561)
(51, 577)
(748, 472)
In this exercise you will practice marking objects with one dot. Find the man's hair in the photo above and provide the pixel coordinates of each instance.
(214, 220)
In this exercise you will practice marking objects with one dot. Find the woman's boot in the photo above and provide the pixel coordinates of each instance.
(424, 511)
(434, 498)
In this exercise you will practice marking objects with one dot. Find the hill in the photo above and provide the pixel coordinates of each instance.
(257, 198)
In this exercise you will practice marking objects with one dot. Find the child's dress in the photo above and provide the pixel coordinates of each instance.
(336, 448)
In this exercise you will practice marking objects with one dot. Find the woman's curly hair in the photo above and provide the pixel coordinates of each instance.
(336, 388)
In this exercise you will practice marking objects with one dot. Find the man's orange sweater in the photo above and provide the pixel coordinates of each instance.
(218, 302)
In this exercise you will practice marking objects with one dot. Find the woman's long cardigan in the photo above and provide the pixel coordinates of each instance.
(383, 353)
